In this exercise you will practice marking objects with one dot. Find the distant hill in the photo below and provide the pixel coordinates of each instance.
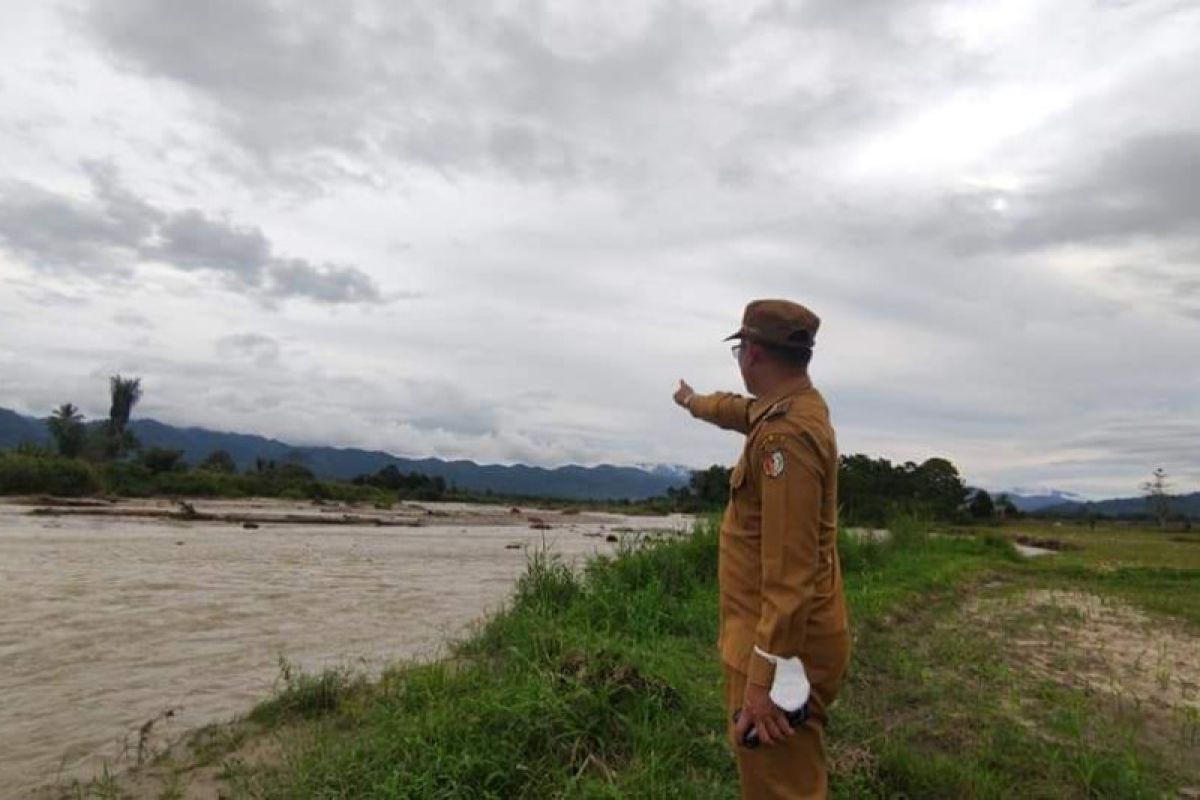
(603, 482)
(1188, 504)
(1036, 502)
(16, 429)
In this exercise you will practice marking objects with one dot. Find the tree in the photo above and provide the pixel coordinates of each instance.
(218, 461)
(711, 486)
(1005, 508)
(981, 505)
(412, 484)
(125, 394)
(1157, 499)
(873, 490)
(66, 428)
(940, 487)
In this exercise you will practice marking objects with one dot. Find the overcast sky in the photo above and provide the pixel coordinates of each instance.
(502, 231)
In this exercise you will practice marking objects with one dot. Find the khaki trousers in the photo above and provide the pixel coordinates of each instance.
(796, 769)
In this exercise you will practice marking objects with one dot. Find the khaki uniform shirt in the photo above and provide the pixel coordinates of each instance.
(780, 579)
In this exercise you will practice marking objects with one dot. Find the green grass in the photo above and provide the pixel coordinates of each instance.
(606, 684)
(945, 709)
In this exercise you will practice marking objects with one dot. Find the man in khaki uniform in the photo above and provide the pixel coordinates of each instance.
(780, 579)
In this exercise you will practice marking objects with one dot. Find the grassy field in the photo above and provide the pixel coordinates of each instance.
(976, 674)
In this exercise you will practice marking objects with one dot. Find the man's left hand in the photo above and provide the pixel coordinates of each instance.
(758, 711)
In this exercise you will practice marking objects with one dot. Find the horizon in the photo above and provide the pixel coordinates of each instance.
(1018, 491)
(503, 233)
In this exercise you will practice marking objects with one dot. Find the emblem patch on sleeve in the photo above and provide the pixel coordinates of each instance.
(774, 463)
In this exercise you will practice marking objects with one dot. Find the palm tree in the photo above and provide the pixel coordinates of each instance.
(66, 427)
(125, 394)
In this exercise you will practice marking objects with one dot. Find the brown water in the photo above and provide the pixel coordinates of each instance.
(106, 624)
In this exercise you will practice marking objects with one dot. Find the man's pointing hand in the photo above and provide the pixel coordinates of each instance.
(684, 394)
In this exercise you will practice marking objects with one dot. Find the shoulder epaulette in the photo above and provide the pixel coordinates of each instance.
(779, 409)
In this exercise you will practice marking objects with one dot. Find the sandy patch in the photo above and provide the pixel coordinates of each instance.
(1103, 645)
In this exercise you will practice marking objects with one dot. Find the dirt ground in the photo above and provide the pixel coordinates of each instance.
(1105, 645)
(1145, 669)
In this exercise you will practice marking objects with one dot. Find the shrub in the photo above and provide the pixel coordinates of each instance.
(126, 479)
(547, 584)
(859, 553)
(201, 483)
(46, 474)
(218, 461)
(299, 694)
(909, 531)
(162, 459)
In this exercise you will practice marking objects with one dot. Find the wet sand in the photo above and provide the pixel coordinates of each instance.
(107, 622)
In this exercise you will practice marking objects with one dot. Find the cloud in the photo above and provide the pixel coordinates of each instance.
(323, 283)
(255, 347)
(60, 233)
(1146, 186)
(115, 231)
(368, 89)
(132, 319)
(191, 241)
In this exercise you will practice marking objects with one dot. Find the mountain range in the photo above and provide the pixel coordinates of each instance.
(603, 482)
(1039, 501)
(1066, 504)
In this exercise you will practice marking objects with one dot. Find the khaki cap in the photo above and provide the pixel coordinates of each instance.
(778, 322)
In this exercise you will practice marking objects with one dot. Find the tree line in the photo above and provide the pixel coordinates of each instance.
(871, 491)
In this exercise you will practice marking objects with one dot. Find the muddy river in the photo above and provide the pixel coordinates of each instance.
(108, 622)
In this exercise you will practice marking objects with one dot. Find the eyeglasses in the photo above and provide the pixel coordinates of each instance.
(737, 350)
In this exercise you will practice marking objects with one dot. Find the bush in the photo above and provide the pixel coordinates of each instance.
(46, 474)
(201, 483)
(908, 531)
(218, 461)
(859, 553)
(162, 459)
(299, 694)
(127, 479)
(548, 583)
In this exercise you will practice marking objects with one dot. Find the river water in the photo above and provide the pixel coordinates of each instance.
(106, 624)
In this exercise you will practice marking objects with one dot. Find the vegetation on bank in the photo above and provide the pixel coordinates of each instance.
(28, 471)
(606, 683)
(872, 489)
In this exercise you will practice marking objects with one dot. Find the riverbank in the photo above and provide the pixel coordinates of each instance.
(253, 513)
(161, 474)
(966, 683)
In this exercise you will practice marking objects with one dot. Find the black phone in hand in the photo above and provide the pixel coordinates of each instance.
(750, 737)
